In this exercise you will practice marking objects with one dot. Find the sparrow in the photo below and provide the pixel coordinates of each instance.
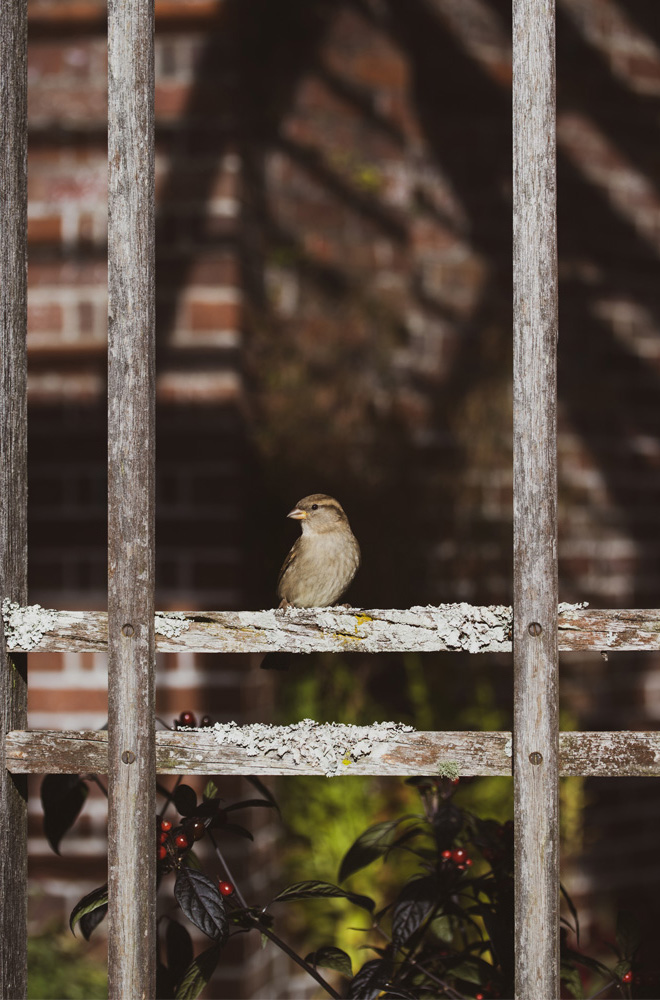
(323, 561)
(321, 564)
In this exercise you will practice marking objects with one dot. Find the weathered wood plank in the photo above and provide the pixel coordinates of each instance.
(131, 395)
(306, 630)
(13, 481)
(536, 798)
(610, 754)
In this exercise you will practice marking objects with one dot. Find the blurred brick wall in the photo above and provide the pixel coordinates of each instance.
(333, 247)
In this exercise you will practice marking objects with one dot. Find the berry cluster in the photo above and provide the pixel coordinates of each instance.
(457, 857)
(180, 839)
(188, 720)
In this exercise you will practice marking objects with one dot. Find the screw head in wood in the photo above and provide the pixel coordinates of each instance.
(127, 630)
(534, 628)
(536, 757)
(128, 757)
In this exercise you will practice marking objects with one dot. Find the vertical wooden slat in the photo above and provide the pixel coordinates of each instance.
(13, 481)
(535, 501)
(131, 648)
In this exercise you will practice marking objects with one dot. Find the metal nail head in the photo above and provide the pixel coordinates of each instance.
(536, 757)
(128, 757)
(534, 628)
(127, 630)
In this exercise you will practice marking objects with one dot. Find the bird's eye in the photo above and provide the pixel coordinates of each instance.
(315, 506)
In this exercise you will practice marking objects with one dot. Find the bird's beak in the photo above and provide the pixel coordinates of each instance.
(297, 514)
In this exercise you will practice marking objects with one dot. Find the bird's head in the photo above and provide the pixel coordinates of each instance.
(319, 513)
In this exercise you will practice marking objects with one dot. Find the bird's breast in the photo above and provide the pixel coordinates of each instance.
(322, 570)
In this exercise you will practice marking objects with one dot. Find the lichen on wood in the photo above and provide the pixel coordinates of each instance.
(25, 627)
(330, 746)
(447, 627)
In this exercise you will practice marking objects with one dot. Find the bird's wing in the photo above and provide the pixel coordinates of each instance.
(286, 565)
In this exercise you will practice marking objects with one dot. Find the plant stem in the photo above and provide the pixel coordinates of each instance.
(309, 969)
(612, 982)
(97, 781)
(230, 878)
(449, 990)
(170, 795)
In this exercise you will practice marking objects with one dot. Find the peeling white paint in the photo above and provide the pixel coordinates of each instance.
(332, 746)
(26, 627)
(171, 624)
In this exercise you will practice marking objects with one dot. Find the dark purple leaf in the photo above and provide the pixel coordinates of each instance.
(198, 974)
(627, 934)
(178, 949)
(62, 798)
(90, 920)
(185, 799)
(573, 912)
(250, 804)
(92, 901)
(331, 958)
(415, 903)
(572, 981)
(164, 982)
(200, 900)
(369, 846)
(370, 980)
(447, 823)
(322, 890)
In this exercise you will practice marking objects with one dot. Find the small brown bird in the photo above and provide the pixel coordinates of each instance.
(323, 561)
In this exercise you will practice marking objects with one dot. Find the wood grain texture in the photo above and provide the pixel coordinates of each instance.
(306, 630)
(13, 481)
(535, 657)
(617, 754)
(131, 743)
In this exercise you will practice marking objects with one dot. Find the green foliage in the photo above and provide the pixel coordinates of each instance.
(61, 968)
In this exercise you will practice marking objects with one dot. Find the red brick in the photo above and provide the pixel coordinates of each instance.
(46, 661)
(45, 229)
(44, 317)
(214, 315)
(66, 700)
(73, 273)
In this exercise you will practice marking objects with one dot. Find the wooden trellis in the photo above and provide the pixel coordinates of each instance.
(131, 752)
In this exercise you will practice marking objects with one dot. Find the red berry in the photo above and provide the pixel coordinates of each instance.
(446, 854)
(455, 781)
(165, 824)
(478, 996)
(627, 977)
(206, 721)
(226, 888)
(460, 868)
(187, 719)
(468, 862)
(162, 838)
(198, 829)
(162, 852)
(181, 840)
(458, 854)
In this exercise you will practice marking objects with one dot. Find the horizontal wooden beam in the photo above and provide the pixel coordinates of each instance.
(609, 755)
(309, 630)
